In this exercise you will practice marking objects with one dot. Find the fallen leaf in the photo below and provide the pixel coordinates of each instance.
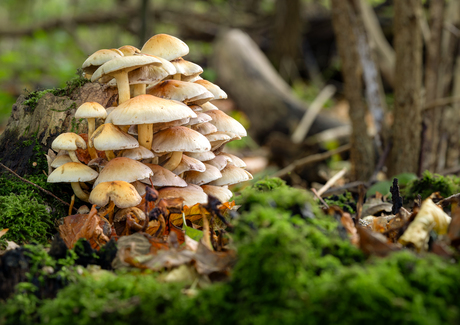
(208, 261)
(372, 243)
(3, 232)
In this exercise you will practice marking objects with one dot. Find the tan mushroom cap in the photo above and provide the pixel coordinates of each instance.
(188, 70)
(163, 177)
(199, 119)
(199, 178)
(121, 193)
(213, 88)
(138, 153)
(165, 46)
(123, 169)
(188, 163)
(147, 109)
(125, 63)
(133, 129)
(195, 108)
(205, 128)
(149, 74)
(201, 156)
(110, 137)
(97, 59)
(208, 107)
(60, 160)
(221, 193)
(68, 141)
(91, 110)
(232, 175)
(186, 92)
(179, 138)
(72, 172)
(220, 162)
(192, 194)
(218, 139)
(226, 123)
(129, 50)
(234, 160)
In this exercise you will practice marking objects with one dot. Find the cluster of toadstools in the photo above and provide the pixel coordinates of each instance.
(164, 133)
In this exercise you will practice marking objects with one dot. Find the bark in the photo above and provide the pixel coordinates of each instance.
(245, 73)
(30, 131)
(361, 152)
(405, 152)
(432, 117)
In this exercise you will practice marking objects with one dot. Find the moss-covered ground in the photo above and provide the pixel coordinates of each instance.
(295, 266)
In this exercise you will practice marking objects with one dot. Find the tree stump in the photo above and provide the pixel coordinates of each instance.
(38, 118)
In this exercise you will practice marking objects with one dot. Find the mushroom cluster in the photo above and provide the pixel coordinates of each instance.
(164, 132)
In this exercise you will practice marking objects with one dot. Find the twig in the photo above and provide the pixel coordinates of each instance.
(310, 159)
(448, 200)
(319, 198)
(328, 135)
(33, 184)
(307, 120)
(345, 187)
(332, 181)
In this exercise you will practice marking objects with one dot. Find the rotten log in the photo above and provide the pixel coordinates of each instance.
(258, 90)
(32, 128)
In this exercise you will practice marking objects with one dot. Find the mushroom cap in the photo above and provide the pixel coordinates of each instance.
(232, 175)
(129, 50)
(72, 172)
(219, 138)
(165, 46)
(68, 141)
(182, 91)
(213, 88)
(200, 118)
(110, 137)
(199, 178)
(187, 69)
(60, 160)
(219, 162)
(208, 107)
(195, 108)
(123, 169)
(148, 74)
(192, 194)
(179, 138)
(148, 109)
(205, 128)
(138, 153)
(226, 123)
(234, 160)
(98, 58)
(91, 110)
(126, 63)
(163, 177)
(222, 193)
(133, 129)
(123, 194)
(188, 163)
(140, 187)
(201, 156)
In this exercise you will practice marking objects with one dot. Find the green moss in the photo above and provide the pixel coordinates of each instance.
(345, 201)
(430, 183)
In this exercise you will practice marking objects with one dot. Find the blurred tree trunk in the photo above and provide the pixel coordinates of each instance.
(405, 151)
(362, 151)
(287, 30)
(432, 117)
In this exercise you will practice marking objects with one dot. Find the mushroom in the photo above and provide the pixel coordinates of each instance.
(91, 111)
(188, 163)
(163, 177)
(226, 123)
(219, 162)
(123, 169)
(69, 141)
(204, 128)
(129, 50)
(165, 46)
(199, 178)
(214, 89)
(192, 194)
(98, 58)
(109, 137)
(186, 92)
(232, 175)
(221, 193)
(201, 156)
(186, 70)
(73, 173)
(234, 160)
(138, 153)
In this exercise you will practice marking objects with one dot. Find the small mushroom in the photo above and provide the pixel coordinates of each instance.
(91, 111)
(69, 141)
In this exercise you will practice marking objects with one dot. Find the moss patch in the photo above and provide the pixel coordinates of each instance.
(430, 183)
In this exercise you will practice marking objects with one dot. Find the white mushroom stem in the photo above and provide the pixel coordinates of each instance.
(109, 155)
(177, 76)
(73, 156)
(174, 161)
(139, 89)
(145, 135)
(91, 126)
(82, 195)
(123, 86)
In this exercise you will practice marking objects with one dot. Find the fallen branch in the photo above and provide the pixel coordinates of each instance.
(332, 181)
(310, 159)
(37, 186)
(320, 198)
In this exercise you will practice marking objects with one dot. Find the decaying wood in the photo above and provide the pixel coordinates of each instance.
(52, 116)
(405, 152)
(247, 76)
(362, 151)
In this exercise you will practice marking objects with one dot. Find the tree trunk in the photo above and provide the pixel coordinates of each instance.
(406, 133)
(245, 73)
(362, 152)
(31, 130)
